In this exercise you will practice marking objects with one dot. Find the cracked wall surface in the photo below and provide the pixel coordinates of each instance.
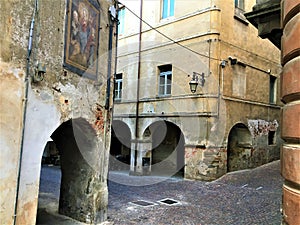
(60, 97)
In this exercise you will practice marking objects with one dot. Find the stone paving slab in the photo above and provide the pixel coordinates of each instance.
(249, 197)
(241, 198)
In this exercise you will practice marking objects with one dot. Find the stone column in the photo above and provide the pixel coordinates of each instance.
(132, 157)
(290, 94)
(140, 163)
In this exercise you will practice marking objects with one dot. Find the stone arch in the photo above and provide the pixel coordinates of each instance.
(80, 195)
(167, 155)
(120, 146)
(239, 148)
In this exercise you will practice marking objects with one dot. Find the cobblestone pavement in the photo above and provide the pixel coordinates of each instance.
(248, 197)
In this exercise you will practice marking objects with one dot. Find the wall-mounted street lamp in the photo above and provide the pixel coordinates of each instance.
(197, 78)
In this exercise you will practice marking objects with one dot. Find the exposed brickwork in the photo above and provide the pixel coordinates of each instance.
(289, 6)
(290, 84)
(290, 38)
(290, 163)
(291, 205)
(290, 113)
(290, 121)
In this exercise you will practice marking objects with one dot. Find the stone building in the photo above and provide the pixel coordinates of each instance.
(230, 122)
(279, 21)
(56, 68)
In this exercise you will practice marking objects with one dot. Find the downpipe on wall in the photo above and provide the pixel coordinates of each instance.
(110, 41)
(27, 79)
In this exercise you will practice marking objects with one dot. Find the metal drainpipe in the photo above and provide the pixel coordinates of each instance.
(116, 52)
(109, 63)
(138, 86)
(208, 74)
(27, 78)
(117, 34)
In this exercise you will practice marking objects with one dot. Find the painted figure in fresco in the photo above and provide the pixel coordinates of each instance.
(75, 45)
(90, 47)
(83, 36)
(83, 32)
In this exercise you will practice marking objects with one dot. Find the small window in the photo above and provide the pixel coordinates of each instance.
(239, 4)
(165, 80)
(167, 8)
(272, 89)
(121, 18)
(271, 138)
(118, 87)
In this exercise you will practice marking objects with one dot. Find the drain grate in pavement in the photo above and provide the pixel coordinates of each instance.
(143, 203)
(169, 201)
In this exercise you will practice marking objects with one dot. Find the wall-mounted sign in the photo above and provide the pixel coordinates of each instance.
(82, 37)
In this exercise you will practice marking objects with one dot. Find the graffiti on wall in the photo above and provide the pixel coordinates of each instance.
(262, 127)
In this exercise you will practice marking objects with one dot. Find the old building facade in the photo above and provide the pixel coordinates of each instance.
(230, 122)
(279, 21)
(56, 64)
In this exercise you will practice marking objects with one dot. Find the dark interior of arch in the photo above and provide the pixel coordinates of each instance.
(239, 148)
(120, 146)
(168, 148)
(80, 195)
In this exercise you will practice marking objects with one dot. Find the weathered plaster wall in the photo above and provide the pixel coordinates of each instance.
(61, 96)
(11, 104)
(231, 94)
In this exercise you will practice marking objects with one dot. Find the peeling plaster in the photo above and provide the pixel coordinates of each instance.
(262, 127)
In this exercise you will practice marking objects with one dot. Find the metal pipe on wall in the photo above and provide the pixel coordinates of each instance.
(138, 85)
(27, 79)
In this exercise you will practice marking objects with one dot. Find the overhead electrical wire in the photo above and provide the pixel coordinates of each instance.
(167, 37)
(183, 46)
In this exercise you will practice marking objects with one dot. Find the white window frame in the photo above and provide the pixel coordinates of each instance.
(166, 77)
(239, 4)
(170, 12)
(118, 87)
(121, 20)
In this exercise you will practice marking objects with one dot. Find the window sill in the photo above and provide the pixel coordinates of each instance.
(239, 15)
(163, 96)
(167, 19)
(117, 100)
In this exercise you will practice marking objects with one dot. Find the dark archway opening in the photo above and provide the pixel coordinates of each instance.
(50, 180)
(74, 185)
(167, 149)
(239, 148)
(120, 147)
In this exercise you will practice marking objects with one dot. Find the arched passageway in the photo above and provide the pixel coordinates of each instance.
(167, 149)
(239, 148)
(78, 181)
(120, 146)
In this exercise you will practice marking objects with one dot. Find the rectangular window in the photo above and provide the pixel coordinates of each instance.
(271, 138)
(121, 18)
(167, 8)
(165, 80)
(239, 4)
(118, 87)
(272, 89)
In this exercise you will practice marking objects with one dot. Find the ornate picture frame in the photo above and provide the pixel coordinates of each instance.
(82, 37)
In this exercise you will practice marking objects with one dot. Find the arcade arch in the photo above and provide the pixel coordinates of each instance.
(239, 148)
(78, 147)
(167, 153)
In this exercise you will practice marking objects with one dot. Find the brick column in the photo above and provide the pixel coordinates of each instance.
(290, 94)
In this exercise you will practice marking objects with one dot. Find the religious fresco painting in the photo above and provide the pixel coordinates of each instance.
(81, 37)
